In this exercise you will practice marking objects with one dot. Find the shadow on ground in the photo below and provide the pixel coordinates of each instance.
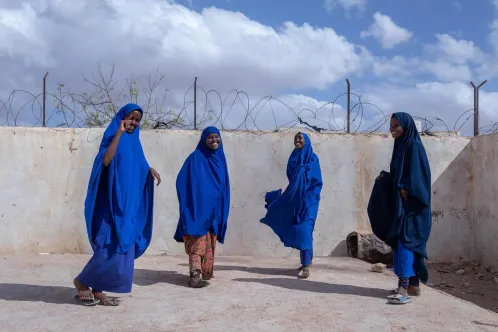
(37, 293)
(319, 287)
(143, 277)
(484, 324)
(270, 271)
(277, 271)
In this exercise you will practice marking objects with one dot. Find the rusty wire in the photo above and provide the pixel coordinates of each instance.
(215, 109)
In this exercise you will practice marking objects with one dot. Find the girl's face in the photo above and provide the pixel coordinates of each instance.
(134, 117)
(213, 141)
(395, 128)
(299, 141)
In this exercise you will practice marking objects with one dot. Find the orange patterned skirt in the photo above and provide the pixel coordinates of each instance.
(200, 251)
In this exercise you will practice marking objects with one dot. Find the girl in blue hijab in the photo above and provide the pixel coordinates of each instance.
(203, 189)
(292, 215)
(118, 210)
(400, 207)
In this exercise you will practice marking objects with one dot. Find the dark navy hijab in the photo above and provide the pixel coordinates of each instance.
(409, 166)
(128, 193)
(203, 190)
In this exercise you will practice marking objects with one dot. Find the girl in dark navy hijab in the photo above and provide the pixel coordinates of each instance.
(118, 210)
(400, 207)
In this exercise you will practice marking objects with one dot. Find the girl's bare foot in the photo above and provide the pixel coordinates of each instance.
(85, 295)
(106, 300)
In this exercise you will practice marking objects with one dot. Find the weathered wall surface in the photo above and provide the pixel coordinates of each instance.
(46, 173)
(484, 200)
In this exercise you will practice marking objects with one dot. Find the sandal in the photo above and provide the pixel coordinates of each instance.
(398, 299)
(302, 267)
(412, 291)
(207, 276)
(196, 281)
(304, 273)
(86, 298)
(108, 301)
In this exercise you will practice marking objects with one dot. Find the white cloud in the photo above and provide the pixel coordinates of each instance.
(386, 32)
(447, 72)
(456, 50)
(431, 100)
(226, 50)
(347, 5)
(394, 67)
(220, 46)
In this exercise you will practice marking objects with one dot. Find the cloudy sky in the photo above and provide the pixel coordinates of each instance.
(400, 55)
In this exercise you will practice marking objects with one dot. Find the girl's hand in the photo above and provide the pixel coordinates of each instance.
(155, 175)
(124, 124)
(404, 194)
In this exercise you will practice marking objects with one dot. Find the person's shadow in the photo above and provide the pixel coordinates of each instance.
(65, 295)
(143, 277)
(270, 271)
(319, 287)
(37, 293)
(274, 271)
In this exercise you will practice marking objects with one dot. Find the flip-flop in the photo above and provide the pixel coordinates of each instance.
(110, 302)
(90, 302)
(398, 299)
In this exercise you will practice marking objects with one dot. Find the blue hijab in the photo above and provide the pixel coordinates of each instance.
(128, 191)
(292, 215)
(203, 189)
(411, 220)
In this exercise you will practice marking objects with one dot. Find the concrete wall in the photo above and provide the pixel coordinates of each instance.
(46, 173)
(484, 198)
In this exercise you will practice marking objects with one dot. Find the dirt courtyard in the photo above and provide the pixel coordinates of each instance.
(247, 294)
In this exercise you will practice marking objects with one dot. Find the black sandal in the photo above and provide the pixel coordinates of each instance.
(196, 280)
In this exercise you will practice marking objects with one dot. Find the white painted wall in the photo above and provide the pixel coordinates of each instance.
(484, 198)
(46, 173)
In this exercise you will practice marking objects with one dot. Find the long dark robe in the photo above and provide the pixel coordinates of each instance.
(392, 218)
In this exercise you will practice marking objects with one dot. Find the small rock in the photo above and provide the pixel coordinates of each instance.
(495, 279)
(378, 267)
(466, 284)
(460, 272)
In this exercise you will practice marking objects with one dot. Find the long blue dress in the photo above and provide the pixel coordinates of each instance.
(118, 210)
(203, 190)
(404, 225)
(292, 214)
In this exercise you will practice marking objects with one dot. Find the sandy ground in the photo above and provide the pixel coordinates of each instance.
(246, 294)
(469, 281)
